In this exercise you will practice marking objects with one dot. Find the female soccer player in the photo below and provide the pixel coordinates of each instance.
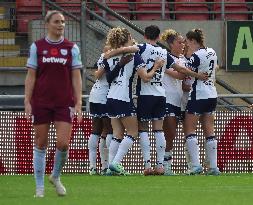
(119, 98)
(101, 124)
(172, 82)
(202, 103)
(52, 94)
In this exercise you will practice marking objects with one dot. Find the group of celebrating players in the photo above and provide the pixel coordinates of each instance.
(172, 86)
(169, 83)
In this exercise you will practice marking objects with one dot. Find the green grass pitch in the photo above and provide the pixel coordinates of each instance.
(236, 189)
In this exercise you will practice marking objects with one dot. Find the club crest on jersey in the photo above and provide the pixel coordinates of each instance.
(45, 52)
(64, 52)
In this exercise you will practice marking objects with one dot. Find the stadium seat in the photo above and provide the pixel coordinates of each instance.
(72, 6)
(121, 6)
(154, 9)
(23, 21)
(28, 6)
(182, 6)
(235, 7)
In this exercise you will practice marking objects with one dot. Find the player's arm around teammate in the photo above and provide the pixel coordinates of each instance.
(119, 99)
(52, 94)
(172, 84)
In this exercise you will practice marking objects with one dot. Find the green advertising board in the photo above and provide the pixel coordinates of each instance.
(239, 45)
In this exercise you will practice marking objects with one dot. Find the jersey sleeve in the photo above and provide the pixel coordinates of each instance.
(138, 62)
(170, 61)
(194, 62)
(105, 65)
(100, 62)
(76, 57)
(32, 61)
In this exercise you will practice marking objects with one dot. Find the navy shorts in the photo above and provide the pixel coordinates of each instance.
(119, 108)
(203, 106)
(150, 107)
(98, 110)
(172, 111)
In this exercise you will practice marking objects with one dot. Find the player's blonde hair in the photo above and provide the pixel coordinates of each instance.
(198, 35)
(169, 36)
(117, 37)
(50, 14)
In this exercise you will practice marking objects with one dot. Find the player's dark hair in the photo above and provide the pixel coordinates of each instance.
(198, 35)
(152, 32)
(50, 14)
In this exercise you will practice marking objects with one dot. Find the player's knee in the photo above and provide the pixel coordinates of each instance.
(41, 146)
(62, 146)
(41, 143)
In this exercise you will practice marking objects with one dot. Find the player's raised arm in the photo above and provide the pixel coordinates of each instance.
(121, 50)
(147, 76)
(188, 72)
(175, 74)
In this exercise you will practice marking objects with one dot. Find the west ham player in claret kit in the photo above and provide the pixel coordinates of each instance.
(52, 94)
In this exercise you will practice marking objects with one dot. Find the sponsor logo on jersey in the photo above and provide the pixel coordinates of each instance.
(45, 52)
(54, 60)
(64, 52)
(54, 51)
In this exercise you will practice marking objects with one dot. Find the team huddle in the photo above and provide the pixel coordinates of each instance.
(171, 86)
(168, 84)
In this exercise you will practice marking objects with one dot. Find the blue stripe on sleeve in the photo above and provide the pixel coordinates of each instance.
(32, 61)
(76, 57)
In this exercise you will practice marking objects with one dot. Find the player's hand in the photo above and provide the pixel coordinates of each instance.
(186, 87)
(125, 60)
(203, 76)
(159, 63)
(28, 110)
(78, 111)
(107, 55)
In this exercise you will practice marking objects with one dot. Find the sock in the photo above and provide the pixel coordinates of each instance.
(193, 149)
(124, 146)
(92, 145)
(167, 160)
(145, 148)
(108, 140)
(102, 147)
(211, 151)
(160, 147)
(187, 157)
(59, 162)
(39, 164)
(114, 145)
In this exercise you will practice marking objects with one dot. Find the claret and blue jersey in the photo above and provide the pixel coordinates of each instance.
(53, 62)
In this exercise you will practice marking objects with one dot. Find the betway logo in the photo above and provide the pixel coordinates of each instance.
(54, 60)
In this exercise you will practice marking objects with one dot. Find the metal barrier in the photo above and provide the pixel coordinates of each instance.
(233, 129)
(85, 98)
(165, 10)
